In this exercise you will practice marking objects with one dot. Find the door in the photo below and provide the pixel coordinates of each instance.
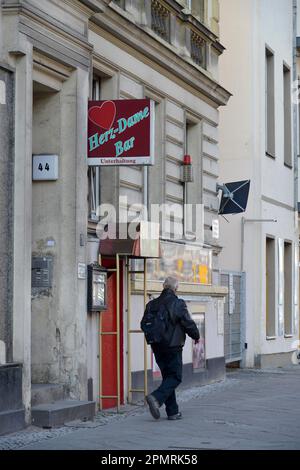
(108, 341)
(234, 315)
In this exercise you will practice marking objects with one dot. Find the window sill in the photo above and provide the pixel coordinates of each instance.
(289, 336)
(287, 165)
(271, 338)
(270, 155)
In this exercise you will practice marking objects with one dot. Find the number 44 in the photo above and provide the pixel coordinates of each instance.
(40, 167)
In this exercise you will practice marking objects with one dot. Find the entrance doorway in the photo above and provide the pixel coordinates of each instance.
(111, 366)
(234, 316)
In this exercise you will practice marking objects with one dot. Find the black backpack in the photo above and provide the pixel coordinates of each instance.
(156, 323)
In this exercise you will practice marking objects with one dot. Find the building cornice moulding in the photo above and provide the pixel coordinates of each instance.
(153, 51)
(50, 36)
(26, 9)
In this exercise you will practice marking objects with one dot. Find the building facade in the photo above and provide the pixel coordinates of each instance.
(57, 56)
(262, 244)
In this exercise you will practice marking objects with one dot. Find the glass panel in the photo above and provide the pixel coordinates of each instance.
(94, 172)
(98, 294)
(188, 263)
(198, 9)
(199, 348)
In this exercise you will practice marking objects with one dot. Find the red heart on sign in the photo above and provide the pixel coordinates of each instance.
(103, 115)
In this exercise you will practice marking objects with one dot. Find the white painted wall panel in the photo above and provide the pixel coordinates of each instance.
(209, 182)
(132, 175)
(210, 131)
(174, 150)
(210, 149)
(210, 166)
(174, 190)
(130, 87)
(175, 132)
(174, 111)
(173, 169)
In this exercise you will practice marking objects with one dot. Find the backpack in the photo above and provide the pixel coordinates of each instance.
(156, 323)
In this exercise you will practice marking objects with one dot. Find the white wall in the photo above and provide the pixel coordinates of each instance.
(245, 29)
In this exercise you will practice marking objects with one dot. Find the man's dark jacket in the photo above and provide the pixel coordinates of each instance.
(181, 322)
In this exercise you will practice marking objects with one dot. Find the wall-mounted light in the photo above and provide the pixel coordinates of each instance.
(97, 288)
(187, 169)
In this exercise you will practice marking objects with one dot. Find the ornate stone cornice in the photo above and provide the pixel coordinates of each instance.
(141, 39)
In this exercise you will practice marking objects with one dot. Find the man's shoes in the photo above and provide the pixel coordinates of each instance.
(175, 417)
(153, 406)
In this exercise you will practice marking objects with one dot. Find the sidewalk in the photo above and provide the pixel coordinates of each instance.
(251, 409)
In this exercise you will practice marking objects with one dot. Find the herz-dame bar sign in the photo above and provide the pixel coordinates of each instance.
(121, 132)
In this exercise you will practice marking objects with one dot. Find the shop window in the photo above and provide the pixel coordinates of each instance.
(160, 20)
(270, 289)
(198, 50)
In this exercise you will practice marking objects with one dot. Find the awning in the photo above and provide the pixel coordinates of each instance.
(137, 239)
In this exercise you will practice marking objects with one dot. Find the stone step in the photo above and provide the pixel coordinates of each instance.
(12, 421)
(46, 393)
(60, 412)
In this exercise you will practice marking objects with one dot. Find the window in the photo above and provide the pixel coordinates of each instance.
(198, 9)
(287, 109)
(288, 288)
(270, 288)
(193, 217)
(270, 105)
(198, 50)
(160, 20)
(94, 172)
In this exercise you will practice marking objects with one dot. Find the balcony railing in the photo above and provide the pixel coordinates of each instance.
(160, 20)
(198, 50)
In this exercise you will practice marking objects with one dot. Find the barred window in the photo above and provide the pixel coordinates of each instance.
(198, 50)
(160, 20)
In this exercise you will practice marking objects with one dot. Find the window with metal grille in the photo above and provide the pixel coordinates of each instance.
(160, 20)
(120, 3)
(198, 50)
(94, 172)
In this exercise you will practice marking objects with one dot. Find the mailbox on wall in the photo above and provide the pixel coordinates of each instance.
(41, 272)
(97, 288)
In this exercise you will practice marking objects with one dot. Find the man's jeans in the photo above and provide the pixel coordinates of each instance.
(170, 364)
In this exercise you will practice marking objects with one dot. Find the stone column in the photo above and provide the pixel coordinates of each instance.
(6, 210)
(23, 221)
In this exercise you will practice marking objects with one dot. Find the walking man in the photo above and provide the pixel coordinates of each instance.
(168, 352)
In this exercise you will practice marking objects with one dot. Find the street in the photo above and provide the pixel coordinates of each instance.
(251, 409)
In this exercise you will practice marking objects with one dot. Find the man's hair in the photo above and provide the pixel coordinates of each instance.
(171, 283)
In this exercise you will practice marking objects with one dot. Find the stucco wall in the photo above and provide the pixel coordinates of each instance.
(242, 139)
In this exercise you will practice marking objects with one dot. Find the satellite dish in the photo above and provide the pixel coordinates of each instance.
(234, 197)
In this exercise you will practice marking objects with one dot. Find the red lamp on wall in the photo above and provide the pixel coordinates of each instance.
(187, 173)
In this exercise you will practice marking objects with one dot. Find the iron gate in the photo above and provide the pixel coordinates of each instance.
(234, 315)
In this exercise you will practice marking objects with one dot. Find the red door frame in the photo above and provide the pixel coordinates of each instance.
(108, 342)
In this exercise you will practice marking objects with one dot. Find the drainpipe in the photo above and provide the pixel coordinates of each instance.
(295, 106)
